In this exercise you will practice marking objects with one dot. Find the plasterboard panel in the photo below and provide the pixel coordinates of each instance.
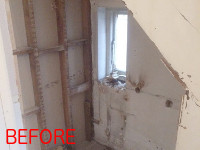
(52, 92)
(31, 123)
(76, 72)
(74, 19)
(78, 117)
(26, 82)
(45, 21)
(46, 32)
(18, 22)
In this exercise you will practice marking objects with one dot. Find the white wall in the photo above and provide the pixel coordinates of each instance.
(141, 121)
(3, 128)
(10, 113)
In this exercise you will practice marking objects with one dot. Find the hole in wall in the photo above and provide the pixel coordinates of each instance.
(137, 90)
(169, 103)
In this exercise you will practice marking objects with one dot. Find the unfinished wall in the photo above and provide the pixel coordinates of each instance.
(74, 29)
(46, 36)
(46, 31)
(130, 120)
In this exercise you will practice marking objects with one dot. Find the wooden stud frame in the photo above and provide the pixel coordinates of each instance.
(35, 66)
(33, 52)
(87, 56)
(28, 50)
(64, 68)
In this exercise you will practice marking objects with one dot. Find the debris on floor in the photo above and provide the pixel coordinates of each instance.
(64, 147)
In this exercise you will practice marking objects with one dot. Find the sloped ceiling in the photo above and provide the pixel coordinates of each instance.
(174, 27)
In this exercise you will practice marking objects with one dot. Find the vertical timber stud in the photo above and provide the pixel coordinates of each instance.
(35, 66)
(87, 55)
(64, 64)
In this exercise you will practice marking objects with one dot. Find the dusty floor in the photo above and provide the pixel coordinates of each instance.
(84, 146)
(90, 146)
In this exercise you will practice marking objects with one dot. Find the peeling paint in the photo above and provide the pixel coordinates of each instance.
(183, 127)
(187, 92)
(175, 73)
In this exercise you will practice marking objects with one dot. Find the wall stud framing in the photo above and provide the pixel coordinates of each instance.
(64, 64)
(87, 56)
(33, 52)
(28, 50)
(34, 65)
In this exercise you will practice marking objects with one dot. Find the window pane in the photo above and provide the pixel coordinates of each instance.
(121, 42)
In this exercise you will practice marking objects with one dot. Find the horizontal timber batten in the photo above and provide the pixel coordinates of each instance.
(22, 51)
(96, 121)
(29, 50)
(31, 111)
(80, 88)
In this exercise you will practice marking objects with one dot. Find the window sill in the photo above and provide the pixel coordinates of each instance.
(118, 84)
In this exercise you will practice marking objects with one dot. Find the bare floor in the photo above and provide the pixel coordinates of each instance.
(84, 146)
(90, 146)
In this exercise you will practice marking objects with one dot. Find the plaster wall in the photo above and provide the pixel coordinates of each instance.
(174, 28)
(189, 132)
(136, 121)
(9, 96)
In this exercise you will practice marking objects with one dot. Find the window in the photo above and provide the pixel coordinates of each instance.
(112, 42)
(120, 43)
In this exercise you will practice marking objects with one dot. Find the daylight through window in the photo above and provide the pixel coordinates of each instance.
(112, 42)
(120, 48)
